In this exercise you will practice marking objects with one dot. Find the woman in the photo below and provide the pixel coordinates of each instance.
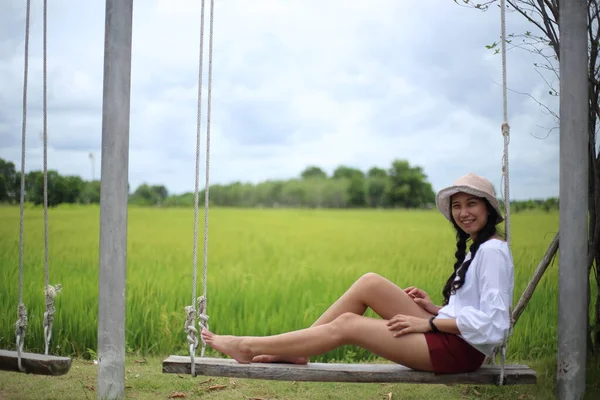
(412, 331)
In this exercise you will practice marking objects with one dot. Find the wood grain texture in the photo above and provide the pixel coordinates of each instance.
(38, 364)
(329, 372)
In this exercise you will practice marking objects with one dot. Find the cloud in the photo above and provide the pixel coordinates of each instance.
(295, 83)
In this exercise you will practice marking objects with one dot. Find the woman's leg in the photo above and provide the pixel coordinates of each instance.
(349, 328)
(371, 290)
(384, 297)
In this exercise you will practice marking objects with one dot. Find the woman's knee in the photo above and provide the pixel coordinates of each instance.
(370, 279)
(370, 284)
(343, 326)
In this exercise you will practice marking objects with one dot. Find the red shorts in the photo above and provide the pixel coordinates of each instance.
(450, 354)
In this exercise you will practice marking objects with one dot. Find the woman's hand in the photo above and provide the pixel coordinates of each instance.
(403, 324)
(421, 297)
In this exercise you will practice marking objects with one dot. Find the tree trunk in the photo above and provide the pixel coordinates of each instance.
(594, 205)
(597, 327)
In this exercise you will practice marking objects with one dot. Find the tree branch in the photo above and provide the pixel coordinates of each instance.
(537, 276)
(523, 13)
(481, 6)
(553, 6)
(551, 33)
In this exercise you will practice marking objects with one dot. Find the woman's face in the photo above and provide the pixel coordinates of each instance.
(469, 212)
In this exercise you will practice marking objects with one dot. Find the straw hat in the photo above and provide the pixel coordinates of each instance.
(471, 184)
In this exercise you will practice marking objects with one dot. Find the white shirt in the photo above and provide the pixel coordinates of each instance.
(482, 305)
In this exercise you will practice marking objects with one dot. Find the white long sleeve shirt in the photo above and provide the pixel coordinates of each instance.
(482, 305)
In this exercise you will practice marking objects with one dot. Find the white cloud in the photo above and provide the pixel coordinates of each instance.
(295, 83)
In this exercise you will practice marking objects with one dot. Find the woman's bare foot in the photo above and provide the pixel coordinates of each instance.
(230, 345)
(280, 359)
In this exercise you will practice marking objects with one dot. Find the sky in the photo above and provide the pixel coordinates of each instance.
(295, 83)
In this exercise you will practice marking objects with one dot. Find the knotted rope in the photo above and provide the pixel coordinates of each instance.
(21, 324)
(20, 329)
(51, 292)
(202, 300)
(203, 320)
(191, 331)
(505, 127)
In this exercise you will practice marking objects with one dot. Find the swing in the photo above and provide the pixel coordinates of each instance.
(503, 374)
(19, 361)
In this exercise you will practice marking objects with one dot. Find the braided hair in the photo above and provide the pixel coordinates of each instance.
(486, 233)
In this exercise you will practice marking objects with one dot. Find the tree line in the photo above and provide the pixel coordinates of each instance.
(399, 186)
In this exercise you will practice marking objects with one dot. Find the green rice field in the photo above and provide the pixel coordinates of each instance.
(269, 271)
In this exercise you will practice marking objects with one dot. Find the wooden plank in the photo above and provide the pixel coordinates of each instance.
(38, 364)
(330, 372)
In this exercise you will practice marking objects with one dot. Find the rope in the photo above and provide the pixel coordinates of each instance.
(190, 309)
(203, 319)
(50, 291)
(45, 146)
(21, 324)
(202, 300)
(505, 175)
(191, 332)
(20, 328)
(505, 126)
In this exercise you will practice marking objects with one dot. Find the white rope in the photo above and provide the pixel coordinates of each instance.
(190, 310)
(505, 172)
(202, 300)
(50, 291)
(20, 328)
(45, 147)
(203, 319)
(21, 324)
(191, 332)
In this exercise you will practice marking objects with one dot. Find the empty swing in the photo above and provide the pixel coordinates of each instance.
(20, 361)
(503, 374)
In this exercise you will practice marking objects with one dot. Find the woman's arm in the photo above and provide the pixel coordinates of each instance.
(489, 321)
(401, 324)
(421, 298)
(447, 325)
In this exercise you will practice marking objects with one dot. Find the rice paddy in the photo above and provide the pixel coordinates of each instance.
(269, 271)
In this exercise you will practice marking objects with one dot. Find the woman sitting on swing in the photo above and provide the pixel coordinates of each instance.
(412, 331)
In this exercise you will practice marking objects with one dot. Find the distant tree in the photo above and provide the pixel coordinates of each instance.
(346, 172)
(90, 193)
(34, 187)
(8, 190)
(336, 193)
(73, 186)
(357, 191)
(377, 190)
(409, 186)
(375, 172)
(57, 189)
(313, 172)
(149, 195)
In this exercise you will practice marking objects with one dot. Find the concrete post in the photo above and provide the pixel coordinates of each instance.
(572, 300)
(113, 199)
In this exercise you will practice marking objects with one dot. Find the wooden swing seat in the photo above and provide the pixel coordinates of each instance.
(37, 364)
(358, 373)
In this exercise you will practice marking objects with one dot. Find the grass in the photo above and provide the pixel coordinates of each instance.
(144, 380)
(269, 271)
